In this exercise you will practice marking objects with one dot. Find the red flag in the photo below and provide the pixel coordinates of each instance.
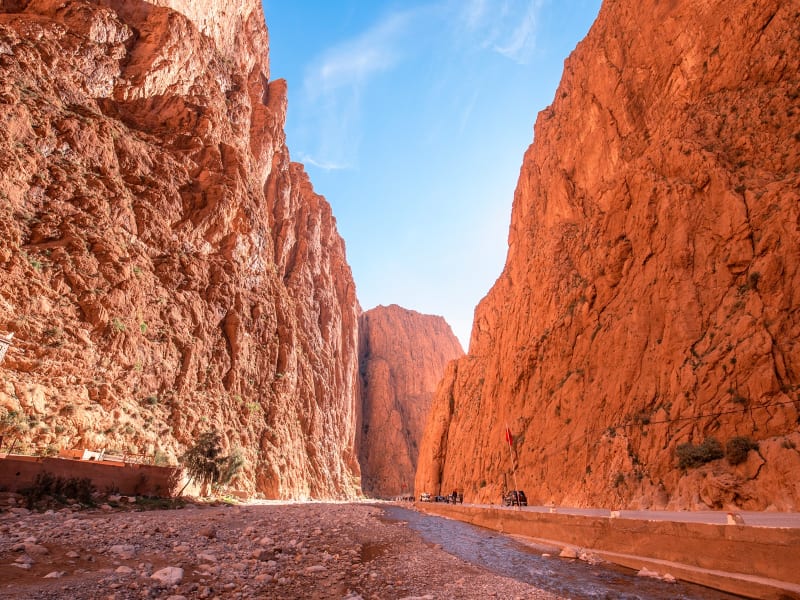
(509, 437)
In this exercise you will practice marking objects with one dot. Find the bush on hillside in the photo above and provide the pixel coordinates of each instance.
(737, 449)
(691, 456)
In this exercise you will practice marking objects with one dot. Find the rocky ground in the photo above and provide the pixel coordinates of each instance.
(312, 550)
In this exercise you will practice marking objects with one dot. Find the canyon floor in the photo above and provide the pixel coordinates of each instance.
(311, 550)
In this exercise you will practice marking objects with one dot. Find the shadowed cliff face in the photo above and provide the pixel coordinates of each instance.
(166, 268)
(402, 355)
(650, 295)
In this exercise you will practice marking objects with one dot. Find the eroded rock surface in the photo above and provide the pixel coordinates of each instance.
(650, 294)
(402, 356)
(166, 268)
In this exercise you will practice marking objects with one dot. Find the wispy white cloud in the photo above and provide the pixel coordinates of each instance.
(473, 13)
(321, 164)
(521, 42)
(336, 81)
(508, 27)
(353, 62)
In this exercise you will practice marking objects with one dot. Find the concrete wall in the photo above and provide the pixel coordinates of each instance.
(758, 562)
(17, 472)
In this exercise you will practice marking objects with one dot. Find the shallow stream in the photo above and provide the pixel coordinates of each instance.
(574, 579)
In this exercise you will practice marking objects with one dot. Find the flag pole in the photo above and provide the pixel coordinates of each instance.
(510, 441)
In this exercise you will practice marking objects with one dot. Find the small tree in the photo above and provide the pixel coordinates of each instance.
(204, 463)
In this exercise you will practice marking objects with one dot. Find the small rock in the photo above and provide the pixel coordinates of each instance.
(114, 498)
(168, 576)
(645, 572)
(123, 551)
(206, 557)
(72, 554)
(123, 570)
(54, 575)
(315, 569)
(208, 532)
(567, 552)
(36, 549)
(590, 558)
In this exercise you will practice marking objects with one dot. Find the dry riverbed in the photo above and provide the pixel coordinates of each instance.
(310, 550)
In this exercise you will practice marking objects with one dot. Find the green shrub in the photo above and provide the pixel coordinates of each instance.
(59, 489)
(691, 456)
(737, 449)
(145, 503)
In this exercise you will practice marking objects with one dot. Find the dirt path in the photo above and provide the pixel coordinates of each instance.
(313, 550)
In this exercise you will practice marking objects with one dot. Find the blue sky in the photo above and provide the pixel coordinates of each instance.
(412, 119)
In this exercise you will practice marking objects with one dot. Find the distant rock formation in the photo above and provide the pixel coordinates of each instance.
(402, 356)
(166, 268)
(647, 321)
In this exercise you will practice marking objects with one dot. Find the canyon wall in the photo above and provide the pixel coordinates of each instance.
(402, 356)
(166, 268)
(647, 319)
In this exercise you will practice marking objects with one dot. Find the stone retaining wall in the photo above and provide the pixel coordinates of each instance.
(17, 472)
(759, 562)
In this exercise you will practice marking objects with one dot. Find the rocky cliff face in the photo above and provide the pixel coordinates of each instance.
(650, 294)
(166, 268)
(402, 356)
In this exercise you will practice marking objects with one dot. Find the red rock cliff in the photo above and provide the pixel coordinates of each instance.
(402, 355)
(651, 294)
(166, 269)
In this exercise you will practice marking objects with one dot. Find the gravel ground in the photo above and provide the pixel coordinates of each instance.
(281, 551)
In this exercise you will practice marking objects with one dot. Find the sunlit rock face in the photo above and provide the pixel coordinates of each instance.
(402, 356)
(651, 294)
(166, 268)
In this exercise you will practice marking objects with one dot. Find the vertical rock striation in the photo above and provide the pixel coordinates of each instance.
(650, 294)
(166, 268)
(402, 356)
